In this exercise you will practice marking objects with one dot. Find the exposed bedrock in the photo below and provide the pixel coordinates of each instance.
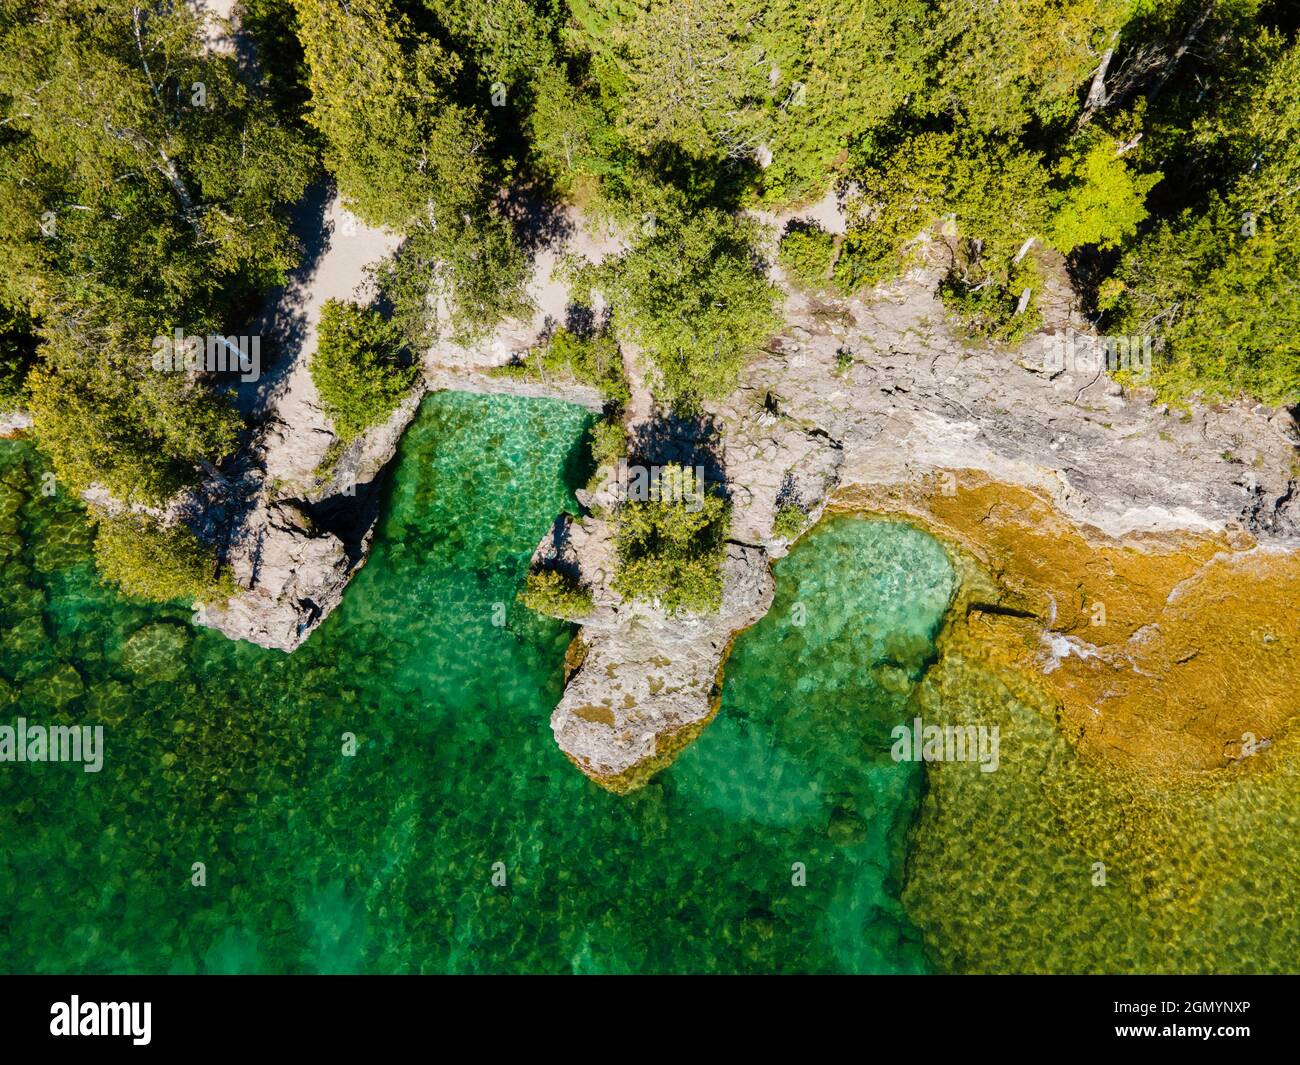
(871, 406)
(643, 684)
(917, 401)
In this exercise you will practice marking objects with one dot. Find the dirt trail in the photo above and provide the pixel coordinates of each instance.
(336, 267)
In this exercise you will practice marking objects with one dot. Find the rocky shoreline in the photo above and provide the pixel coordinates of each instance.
(918, 412)
(857, 404)
(874, 405)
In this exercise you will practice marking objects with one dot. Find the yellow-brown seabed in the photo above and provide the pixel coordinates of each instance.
(1170, 648)
(1129, 814)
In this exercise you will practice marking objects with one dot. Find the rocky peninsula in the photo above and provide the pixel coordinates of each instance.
(875, 405)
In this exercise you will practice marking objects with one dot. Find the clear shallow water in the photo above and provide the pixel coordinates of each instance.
(232, 755)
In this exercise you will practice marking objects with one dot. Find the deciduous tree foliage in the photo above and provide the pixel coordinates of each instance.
(141, 187)
(359, 367)
(1217, 287)
(1153, 142)
(156, 562)
(410, 146)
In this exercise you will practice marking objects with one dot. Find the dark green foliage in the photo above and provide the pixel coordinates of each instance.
(17, 353)
(359, 367)
(273, 27)
(690, 293)
(127, 210)
(141, 189)
(608, 439)
(607, 443)
(138, 433)
(988, 307)
(1223, 305)
(1001, 66)
(475, 270)
(1216, 286)
(671, 552)
(401, 148)
(720, 80)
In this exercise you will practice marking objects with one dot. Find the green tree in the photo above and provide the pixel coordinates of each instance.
(401, 149)
(691, 293)
(592, 359)
(836, 74)
(1221, 305)
(671, 552)
(1215, 288)
(140, 434)
(458, 279)
(693, 78)
(160, 563)
(142, 187)
(1001, 65)
(556, 594)
(358, 367)
(1102, 200)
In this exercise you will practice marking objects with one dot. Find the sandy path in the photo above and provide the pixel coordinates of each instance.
(219, 29)
(299, 433)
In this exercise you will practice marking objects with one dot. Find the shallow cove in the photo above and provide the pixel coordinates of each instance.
(801, 744)
(231, 755)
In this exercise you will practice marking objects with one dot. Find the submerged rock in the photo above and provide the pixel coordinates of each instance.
(157, 652)
(54, 689)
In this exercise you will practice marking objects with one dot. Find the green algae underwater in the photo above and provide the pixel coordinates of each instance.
(781, 841)
(228, 754)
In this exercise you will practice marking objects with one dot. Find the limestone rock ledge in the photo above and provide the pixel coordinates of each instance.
(293, 575)
(646, 684)
(14, 423)
(299, 543)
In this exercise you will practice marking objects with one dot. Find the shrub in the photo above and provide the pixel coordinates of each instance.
(988, 308)
(17, 353)
(608, 441)
(592, 360)
(789, 521)
(672, 554)
(559, 595)
(159, 563)
(358, 367)
(806, 253)
(476, 268)
(140, 435)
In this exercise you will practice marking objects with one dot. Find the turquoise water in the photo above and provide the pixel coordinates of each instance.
(800, 750)
(233, 756)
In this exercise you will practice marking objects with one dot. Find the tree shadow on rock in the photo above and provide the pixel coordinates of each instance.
(682, 439)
